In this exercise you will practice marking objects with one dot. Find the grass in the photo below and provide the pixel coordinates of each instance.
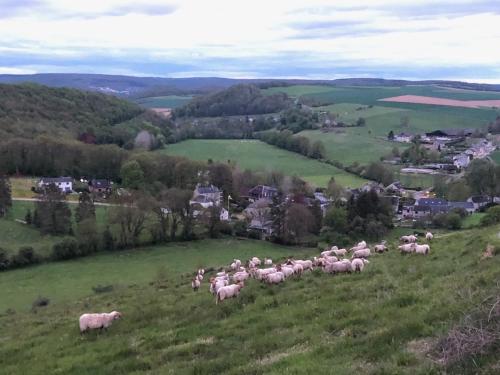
(256, 155)
(473, 220)
(169, 101)
(495, 156)
(21, 187)
(375, 322)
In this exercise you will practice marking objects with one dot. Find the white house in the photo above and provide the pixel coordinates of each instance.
(65, 184)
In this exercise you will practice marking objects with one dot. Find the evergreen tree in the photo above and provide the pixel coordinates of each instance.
(85, 209)
(54, 214)
(5, 196)
(278, 213)
(108, 241)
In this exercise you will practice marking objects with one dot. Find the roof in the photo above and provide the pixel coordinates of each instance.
(210, 189)
(263, 190)
(55, 180)
(202, 199)
(450, 132)
(480, 199)
(432, 202)
(101, 184)
(464, 205)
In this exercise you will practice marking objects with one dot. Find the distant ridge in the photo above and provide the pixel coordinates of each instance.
(131, 86)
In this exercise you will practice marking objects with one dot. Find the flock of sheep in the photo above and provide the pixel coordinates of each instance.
(228, 282)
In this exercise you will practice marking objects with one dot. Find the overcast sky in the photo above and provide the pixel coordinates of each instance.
(455, 39)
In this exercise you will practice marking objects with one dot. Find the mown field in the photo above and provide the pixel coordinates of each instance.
(169, 101)
(382, 321)
(256, 155)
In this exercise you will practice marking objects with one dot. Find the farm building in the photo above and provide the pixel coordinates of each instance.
(65, 184)
(262, 191)
(100, 186)
(206, 195)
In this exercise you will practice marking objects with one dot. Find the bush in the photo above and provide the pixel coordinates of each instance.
(492, 216)
(40, 302)
(240, 228)
(24, 257)
(67, 249)
(4, 259)
(102, 288)
(224, 228)
(255, 235)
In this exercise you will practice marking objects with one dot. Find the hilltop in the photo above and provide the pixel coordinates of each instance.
(30, 110)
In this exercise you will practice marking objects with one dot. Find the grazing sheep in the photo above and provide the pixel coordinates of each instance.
(195, 284)
(306, 264)
(233, 266)
(229, 291)
(201, 271)
(95, 321)
(268, 262)
(318, 262)
(363, 253)
(340, 252)
(327, 253)
(409, 239)
(421, 249)
(256, 261)
(380, 248)
(334, 248)
(408, 248)
(286, 270)
(222, 273)
(238, 263)
(251, 264)
(298, 269)
(429, 236)
(261, 273)
(331, 259)
(358, 264)
(338, 267)
(240, 276)
(216, 284)
(275, 278)
(361, 244)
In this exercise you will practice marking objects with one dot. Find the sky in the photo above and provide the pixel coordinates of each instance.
(316, 39)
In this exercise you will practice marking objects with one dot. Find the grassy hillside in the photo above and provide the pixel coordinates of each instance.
(381, 321)
(256, 155)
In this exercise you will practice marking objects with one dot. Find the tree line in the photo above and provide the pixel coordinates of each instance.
(295, 143)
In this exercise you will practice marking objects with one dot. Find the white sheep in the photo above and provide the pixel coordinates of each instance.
(195, 283)
(331, 259)
(421, 249)
(221, 273)
(286, 270)
(268, 262)
(306, 264)
(338, 267)
(361, 244)
(358, 264)
(429, 236)
(327, 253)
(261, 273)
(216, 284)
(298, 269)
(334, 248)
(229, 291)
(256, 261)
(238, 263)
(240, 276)
(340, 252)
(380, 248)
(95, 321)
(275, 278)
(199, 277)
(201, 271)
(407, 248)
(363, 253)
(409, 239)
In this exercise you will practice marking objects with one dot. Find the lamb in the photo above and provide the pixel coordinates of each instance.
(421, 249)
(340, 252)
(216, 284)
(298, 269)
(95, 321)
(306, 264)
(363, 253)
(286, 270)
(380, 248)
(408, 248)
(338, 267)
(229, 291)
(256, 261)
(275, 278)
(327, 253)
(361, 244)
(268, 262)
(195, 283)
(238, 263)
(358, 264)
(429, 236)
(261, 273)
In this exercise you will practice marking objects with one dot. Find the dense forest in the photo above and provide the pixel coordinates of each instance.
(236, 100)
(29, 110)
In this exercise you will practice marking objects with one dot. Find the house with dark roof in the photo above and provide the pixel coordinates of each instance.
(206, 195)
(466, 206)
(262, 192)
(65, 184)
(479, 201)
(432, 202)
(100, 186)
(451, 133)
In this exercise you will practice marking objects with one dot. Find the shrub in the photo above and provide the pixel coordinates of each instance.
(225, 228)
(67, 249)
(40, 302)
(492, 216)
(4, 260)
(240, 228)
(254, 234)
(24, 257)
(102, 288)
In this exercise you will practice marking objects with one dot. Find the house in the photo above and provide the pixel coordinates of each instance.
(224, 214)
(479, 201)
(372, 186)
(324, 202)
(395, 188)
(431, 202)
(403, 137)
(206, 195)
(262, 191)
(100, 186)
(65, 184)
(466, 206)
(461, 161)
(265, 228)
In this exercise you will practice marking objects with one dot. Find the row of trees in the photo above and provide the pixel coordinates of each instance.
(295, 143)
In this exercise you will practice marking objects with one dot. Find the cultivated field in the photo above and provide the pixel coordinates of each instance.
(256, 155)
(441, 101)
(382, 321)
(169, 101)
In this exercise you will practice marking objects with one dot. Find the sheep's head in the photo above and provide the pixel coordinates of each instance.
(116, 315)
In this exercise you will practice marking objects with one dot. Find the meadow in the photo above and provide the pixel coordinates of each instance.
(382, 321)
(169, 101)
(258, 156)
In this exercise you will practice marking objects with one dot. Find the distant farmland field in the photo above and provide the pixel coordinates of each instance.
(169, 101)
(256, 155)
